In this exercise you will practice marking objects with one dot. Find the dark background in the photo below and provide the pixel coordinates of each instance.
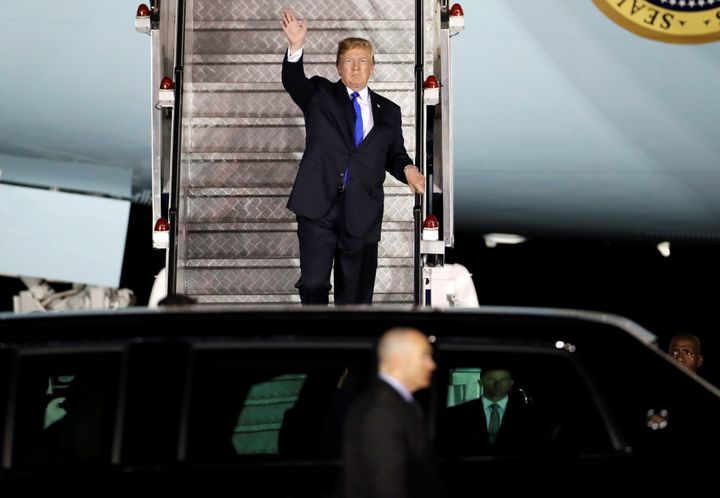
(628, 278)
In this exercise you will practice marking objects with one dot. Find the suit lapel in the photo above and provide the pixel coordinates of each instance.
(348, 112)
(377, 116)
(482, 428)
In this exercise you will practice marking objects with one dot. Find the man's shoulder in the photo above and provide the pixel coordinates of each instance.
(384, 101)
(324, 83)
(380, 399)
(469, 406)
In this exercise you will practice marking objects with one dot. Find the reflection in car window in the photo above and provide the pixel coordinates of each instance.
(533, 404)
(261, 415)
(278, 404)
(66, 409)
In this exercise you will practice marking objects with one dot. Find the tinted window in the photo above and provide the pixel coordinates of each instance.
(545, 406)
(272, 403)
(66, 409)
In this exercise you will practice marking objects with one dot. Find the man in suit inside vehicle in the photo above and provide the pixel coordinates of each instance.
(386, 450)
(685, 349)
(352, 137)
(497, 422)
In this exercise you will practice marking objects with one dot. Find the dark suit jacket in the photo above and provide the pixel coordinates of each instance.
(330, 149)
(463, 429)
(386, 452)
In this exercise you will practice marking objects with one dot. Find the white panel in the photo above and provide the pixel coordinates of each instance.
(75, 176)
(62, 237)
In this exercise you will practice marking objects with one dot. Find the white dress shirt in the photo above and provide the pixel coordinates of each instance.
(398, 386)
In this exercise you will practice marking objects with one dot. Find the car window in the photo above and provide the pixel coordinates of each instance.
(277, 404)
(65, 409)
(543, 406)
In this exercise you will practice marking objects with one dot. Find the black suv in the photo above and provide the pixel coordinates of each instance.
(254, 401)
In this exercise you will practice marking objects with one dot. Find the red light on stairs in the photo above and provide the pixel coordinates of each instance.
(167, 83)
(456, 10)
(431, 82)
(142, 19)
(161, 225)
(431, 222)
(143, 10)
(431, 228)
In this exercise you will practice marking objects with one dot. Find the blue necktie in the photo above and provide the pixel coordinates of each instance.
(358, 132)
(358, 119)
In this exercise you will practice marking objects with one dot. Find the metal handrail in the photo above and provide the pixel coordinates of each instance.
(175, 149)
(419, 143)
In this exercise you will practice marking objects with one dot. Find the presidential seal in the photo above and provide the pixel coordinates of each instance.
(672, 21)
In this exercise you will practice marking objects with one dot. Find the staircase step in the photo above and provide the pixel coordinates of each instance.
(230, 208)
(242, 10)
(224, 136)
(270, 100)
(266, 68)
(282, 300)
(277, 240)
(251, 300)
(217, 172)
(318, 26)
(221, 173)
(275, 277)
(268, 204)
(277, 86)
(244, 156)
(228, 37)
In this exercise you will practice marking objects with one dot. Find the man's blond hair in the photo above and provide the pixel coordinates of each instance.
(349, 43)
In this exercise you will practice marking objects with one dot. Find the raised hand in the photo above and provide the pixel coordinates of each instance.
(295, 29)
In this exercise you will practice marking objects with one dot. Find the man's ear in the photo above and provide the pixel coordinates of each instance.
(700, 360)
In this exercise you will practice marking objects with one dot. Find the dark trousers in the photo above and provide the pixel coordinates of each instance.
(325, 240)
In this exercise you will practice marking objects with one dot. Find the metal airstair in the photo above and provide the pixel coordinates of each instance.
(227, 139)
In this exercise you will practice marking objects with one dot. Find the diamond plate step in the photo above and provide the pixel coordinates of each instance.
(251, 138)
(269, 100)
(242, 10)
(291, 300)
(265, 68)
(277, 277)
(262, 169)
(266, 299)
(398, 40)
(268, 204)
(223, 173)
(276, 240)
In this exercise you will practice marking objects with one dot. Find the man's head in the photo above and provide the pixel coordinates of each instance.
(355, 62)
(495, 383)
(685, 348)
(406, 355)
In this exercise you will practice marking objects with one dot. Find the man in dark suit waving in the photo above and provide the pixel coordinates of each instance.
(386, 451)
(353, 136)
